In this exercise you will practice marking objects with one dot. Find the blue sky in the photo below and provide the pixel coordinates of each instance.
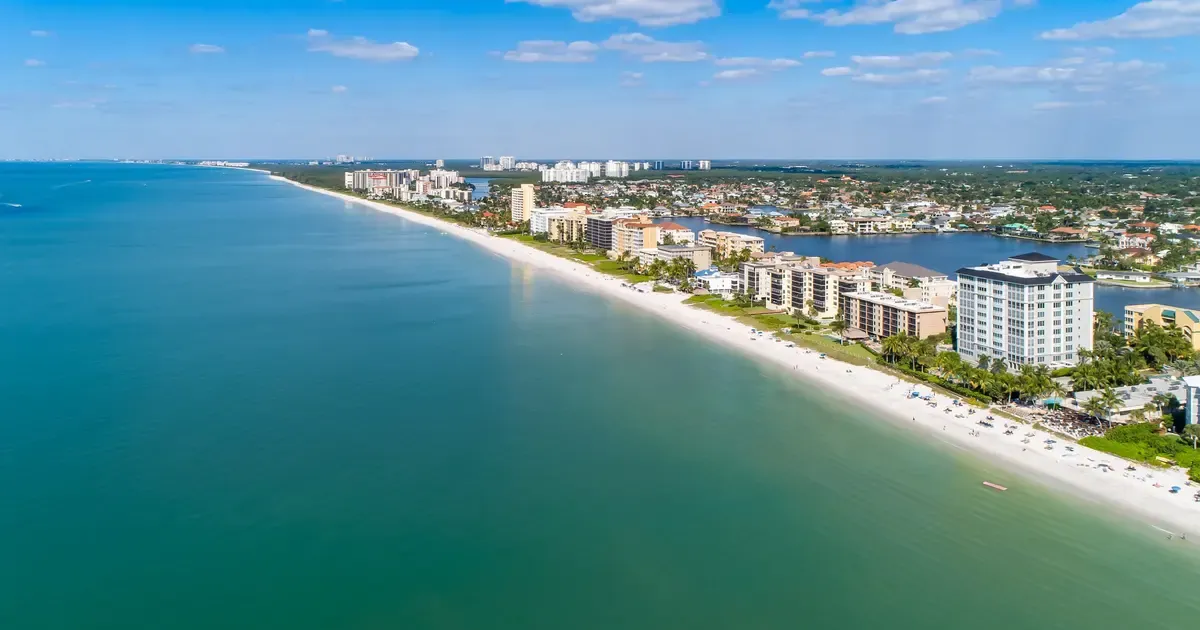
(869, 79)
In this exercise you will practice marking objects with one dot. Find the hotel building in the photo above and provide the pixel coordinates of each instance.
(1024, 311)
(883, 314)
(700, 256)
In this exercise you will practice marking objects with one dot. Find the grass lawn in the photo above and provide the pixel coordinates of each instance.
(599, 262)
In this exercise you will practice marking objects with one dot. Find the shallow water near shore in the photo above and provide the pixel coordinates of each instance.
(228, 402)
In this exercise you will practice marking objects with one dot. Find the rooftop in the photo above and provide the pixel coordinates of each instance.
(878, 297)
(1033, 257)
(1137, 396)
(910, 270)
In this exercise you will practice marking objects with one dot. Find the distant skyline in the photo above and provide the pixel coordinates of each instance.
(768, 79)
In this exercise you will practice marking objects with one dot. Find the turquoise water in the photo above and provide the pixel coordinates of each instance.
(229, 403)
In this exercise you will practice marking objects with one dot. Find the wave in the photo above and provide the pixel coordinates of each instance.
(10, 205)
(86, 181)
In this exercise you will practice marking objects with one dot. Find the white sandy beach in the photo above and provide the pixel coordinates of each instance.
(1131, 494)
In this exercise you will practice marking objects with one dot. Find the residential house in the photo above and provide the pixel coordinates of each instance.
(1134, 239)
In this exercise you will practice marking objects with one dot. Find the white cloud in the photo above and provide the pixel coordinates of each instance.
(816, 54)
(839, 71)
(39, 33)
(649, 49)
(1052, 105)
(740, 73)
(644, 12)
(545, 51)
(34, 63)
(901, 61)
(632, 79)
(1022, 74)
(359, 47)
(924, 75)
(88, 104)
(338, 89)
(1150, 19)
(791, 9)
(1092, 51)
(201, 49)
(1085, 75)
(911, 17)
(758, 62)
(934, 100)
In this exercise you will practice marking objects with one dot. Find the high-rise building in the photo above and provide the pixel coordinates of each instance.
(614, 168)
(487, 161)
(1024, 311)
(686, 165)
(658, 165)
(523, 202)
(439, 163)
(566, 175)
(507, 162)
(705, 165)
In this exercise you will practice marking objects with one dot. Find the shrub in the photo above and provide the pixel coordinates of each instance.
(1194, 473)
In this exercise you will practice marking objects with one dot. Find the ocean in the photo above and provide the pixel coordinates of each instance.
(226, 402)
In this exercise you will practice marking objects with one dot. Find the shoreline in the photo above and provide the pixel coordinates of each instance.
(1118, 491)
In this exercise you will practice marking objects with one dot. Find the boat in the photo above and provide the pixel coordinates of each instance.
(995, 486)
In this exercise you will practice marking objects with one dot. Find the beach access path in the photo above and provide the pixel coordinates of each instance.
(1131, 494)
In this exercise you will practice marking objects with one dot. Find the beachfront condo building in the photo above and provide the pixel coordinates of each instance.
(801, 284)
(568, 228)
(915, 282)
(700, 255)
(539, 219)
(599, 232)
(524, 200)
(633, 235)
(880, 315)
(1185, 319)
(1024, 311)
(677, 234)
(726, 244)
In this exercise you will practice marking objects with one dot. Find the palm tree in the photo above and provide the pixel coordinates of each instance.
(839, 327)
(1110, 403)
(1058, 391)
(1094, 407)
(894, 346)
(984, 362)
(1160, 401)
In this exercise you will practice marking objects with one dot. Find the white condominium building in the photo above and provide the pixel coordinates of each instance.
(507, 162)
(523, 202)
(613, 168)
(539, 218)
(705, 165)
(1024, 311)
(566, 175)
(369, 180)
